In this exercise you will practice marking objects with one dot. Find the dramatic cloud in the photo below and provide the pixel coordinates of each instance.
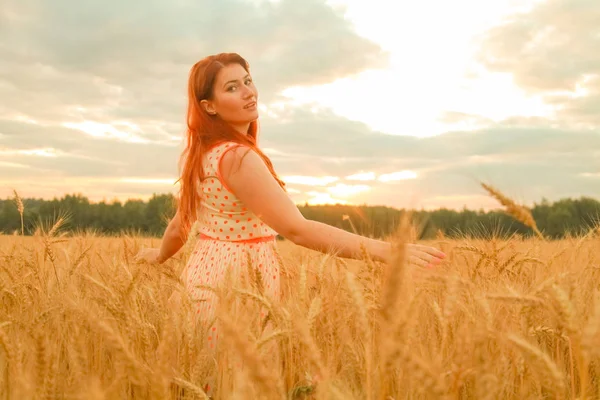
(553, 50)
(102, 86)
(327, 158)
(96, 102)
(528, 160)
(116, 60)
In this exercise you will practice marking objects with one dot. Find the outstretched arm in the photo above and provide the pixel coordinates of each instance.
(250, 180)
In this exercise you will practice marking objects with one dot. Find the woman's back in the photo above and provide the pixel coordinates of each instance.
(221, 214)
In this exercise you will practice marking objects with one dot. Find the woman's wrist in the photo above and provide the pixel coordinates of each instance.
(383, 251)
(160, 257)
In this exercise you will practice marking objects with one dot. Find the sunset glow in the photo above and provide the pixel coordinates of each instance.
(398, 103)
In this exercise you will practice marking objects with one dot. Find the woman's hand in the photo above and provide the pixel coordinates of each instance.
(149, 255)
(424, 256)
(421, 255)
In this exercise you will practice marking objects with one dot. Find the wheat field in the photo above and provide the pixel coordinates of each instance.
(498, 319)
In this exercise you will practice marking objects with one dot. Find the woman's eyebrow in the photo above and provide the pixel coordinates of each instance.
(234, 80)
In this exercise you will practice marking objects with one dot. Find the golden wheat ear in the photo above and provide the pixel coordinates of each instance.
(20, 208)
(520, 213)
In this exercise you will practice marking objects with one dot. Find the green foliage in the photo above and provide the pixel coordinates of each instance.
(145, 218)
(555, 220)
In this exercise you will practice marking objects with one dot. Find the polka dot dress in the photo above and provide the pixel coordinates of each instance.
(230, 234)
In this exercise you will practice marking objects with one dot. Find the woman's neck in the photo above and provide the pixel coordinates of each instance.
(241, 128)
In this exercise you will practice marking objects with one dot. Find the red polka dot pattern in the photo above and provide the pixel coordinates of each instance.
(230, 225)
(219, 206)
(207, 266)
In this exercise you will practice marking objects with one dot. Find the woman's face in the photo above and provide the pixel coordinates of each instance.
(234, 97)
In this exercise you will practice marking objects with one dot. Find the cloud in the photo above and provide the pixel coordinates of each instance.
(322, 156)
(118, 60)
(316, 197)
(524, 157)
(345, 190)
(397, 176)
(552, 50)
(103, 86)
(310, 180)
(362, 176)
(330, 138)
(97, 101)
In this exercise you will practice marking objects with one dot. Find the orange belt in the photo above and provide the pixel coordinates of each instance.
(253, 240)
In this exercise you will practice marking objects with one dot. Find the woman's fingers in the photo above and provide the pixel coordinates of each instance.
(420, 257)
(412, 259)
(139, 257)
(430, 250)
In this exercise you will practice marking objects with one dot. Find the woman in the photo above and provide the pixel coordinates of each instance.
(230, 187)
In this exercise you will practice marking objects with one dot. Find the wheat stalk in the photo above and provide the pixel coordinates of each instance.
(119, 336)
(57, 225)
(395, 272)
(271, 336)
(564, 310)
(257, 371)
(428, 379)
(313, 311)
(522, 298)
(544, 330)
(473, 249)
(21, 209)
(191, 388)
(541, 360)
(520, 213)
(314, 353)
(364, 328)
(10, 358)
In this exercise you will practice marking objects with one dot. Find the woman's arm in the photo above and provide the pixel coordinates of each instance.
(172, 240)
(325, 238)
(253, 184)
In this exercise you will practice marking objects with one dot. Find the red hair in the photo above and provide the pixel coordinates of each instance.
(205, 131)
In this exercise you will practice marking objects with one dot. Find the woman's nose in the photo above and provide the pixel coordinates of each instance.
(247, 92)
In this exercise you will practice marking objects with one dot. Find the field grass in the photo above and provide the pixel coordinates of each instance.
(511, 319)
(498, 319)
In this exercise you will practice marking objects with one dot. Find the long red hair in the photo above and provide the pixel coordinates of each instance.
(205, 131)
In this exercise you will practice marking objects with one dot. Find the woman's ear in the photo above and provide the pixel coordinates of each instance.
(208, 107)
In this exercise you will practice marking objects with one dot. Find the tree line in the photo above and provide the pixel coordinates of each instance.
(149, 218)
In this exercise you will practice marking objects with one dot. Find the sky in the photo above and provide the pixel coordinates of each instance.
(404, 104)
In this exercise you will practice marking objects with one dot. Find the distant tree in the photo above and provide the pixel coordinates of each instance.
(150, 217)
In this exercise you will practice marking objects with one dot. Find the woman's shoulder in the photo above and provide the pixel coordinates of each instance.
(217, 150)
(222, 147)
(231, 149)
(216, 154)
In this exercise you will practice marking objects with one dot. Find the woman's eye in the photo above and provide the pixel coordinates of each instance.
(230, 88)
(248, 81)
